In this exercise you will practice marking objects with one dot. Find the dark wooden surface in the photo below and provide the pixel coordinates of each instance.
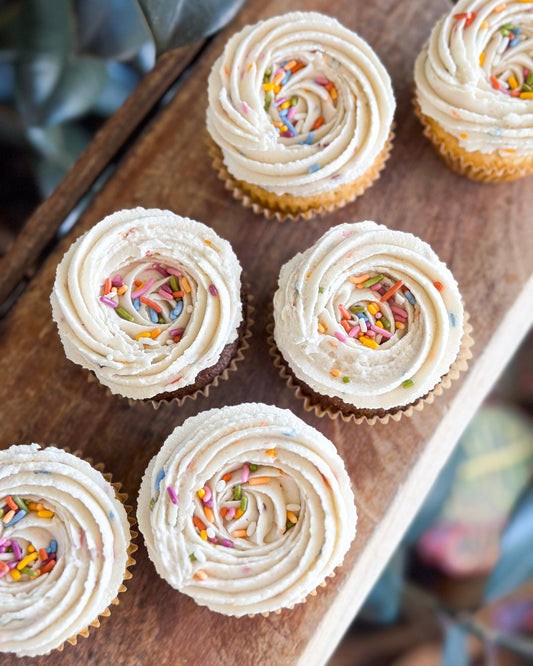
(482, 232)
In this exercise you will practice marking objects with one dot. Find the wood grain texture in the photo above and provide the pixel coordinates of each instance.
(483, 234)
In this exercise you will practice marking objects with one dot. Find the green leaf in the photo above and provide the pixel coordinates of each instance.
(455, 652)
(177, 22)
(515, 564)
(114, 29)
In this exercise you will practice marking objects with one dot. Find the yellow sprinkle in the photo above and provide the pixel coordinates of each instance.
(155, 333)
(508, 150)
(238, 514)
(292, 517)
(308, 275)
(44, 513)
(203, 535)
(378, 323)
(321, 328)
(122, 290)
(185, 285)
(526, 95)
(333, 93)
(31, 548)
(484, 25)
(463, 135)
(250, 66)
(277, 89)
(400, 325)
(499, 8)
(201, 493)
(335, 372)
(284, 128)
(268, 87)
(144, 334)
(481, 59)
(201, 575)
(368, 342)
(373, 308)
(8, 516)
(208, 242)
(15, 574)
(513, 83)
(285, 105)
(208, 513)
(271, 452)
(29, 558)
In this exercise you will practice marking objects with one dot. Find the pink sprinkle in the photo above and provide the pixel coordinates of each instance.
(280, 71)
(292, 113)
(142, 290)
(174, 271)
(108, 301)
(244, 107)
(378, 315)
(212, 539)
(340, 336)
(346, 234)
(370, 334)
(5, 542)
(208, 494)
(172, 495)
(399, 311)
(227, 543)
(160, 269)
(354, 331)
(176, 331)
(287, 135)
(209, 504)
(17, 552)
(165, 294)
(400, 317)
(117, 282)
(376, 287)
(245, 473)
(381, 331)
(231, 513)
(167, 288)
(321, 81)
(213, 290)
(280, 101)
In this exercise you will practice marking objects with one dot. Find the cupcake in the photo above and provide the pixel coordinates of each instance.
(246, 509)
(151, 303)
(300, 109)
(366, 321)
(474, 89)
(64, 544)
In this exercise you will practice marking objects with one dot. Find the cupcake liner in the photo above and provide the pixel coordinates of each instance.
(312, 402)
(255, 197)
(238, 355)
(485, 168)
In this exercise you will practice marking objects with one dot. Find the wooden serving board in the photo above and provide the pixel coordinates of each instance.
(482, 232)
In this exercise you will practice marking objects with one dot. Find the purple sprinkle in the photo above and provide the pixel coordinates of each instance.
(209, 503)
(227, 543)
(176, 331)
(172, 495)
(160, 269)
(17, 551)
(12, 564)
(117, 282)
(213, 290)
(167, 288)
(5, 542)
(212, 539)
(108, 301)
(3, 549)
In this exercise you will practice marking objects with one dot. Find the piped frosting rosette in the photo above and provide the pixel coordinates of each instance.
(475, 76)
(64, 539)
(246, 509)
(147, 300)
(368, 315)
(299, 104)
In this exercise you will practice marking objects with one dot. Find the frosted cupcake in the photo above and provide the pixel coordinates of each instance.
(474, 89)
(367, 321)
(64, 543)
(246, 509)
(150, 302)
(301, 111)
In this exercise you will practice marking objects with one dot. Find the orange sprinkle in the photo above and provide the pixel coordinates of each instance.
(239, 534)
(378, 323)
(344, 312)
(107, 286)
(526, 95)
(290, 65)
(400, 325)
(43, 554)
(484, 25)
(208, 513)
(346, 326)
(318, 122)
(34, 506)
(278, 79)
(455, 114)
(198, 523)
(250, 66)
(185, 285)
(201, 575)
(308, 275)
(298, 66)
(122, 290)
(357, 279)
(508, 150)
(499, 8)
(438, 286)
(333, 93)
(321, 328)
(176, 338)
(224, 511)
(292, 517)
(226, 477)
(8, 516)
(332, 344)
(259, 481)
(391, 291)
(138, 283)
(335, 372)
(155, 333)
(463, 135)
(178, 294)
(272, 453)
(481, 59)
(151, 304)
(11, 503)
(238, 514)
(208, 242)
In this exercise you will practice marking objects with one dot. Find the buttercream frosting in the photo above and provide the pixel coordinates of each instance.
(368, 315)
(472, 76)
(246, 509)
(147, 300)
(67, 513)
(299, 104)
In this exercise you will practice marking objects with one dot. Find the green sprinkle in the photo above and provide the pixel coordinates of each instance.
(407, 383)
(385, 322)
(268, 74)
(244, 503)
(526, 88)
(268, 101)
(372, 281)
(173, 283)
(321, 290)
(357, 309)
(293, 101)
(20, 503)
(152, 503)
(29, 572)
(529, 79)
(192, 557)
(237, 492)
(124, 314)
(160, 320)
(288, 525)
(346, 380)
(253, 468)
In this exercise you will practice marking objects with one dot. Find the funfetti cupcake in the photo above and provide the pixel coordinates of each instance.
(64, 548)
(474, 89)
(246, 509)
(367, 323)
(152, 304)
(300, 113)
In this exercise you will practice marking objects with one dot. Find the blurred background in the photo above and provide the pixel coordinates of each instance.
(459, 589)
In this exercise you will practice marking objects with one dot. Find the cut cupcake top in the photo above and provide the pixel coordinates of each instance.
(475, 76)
(147, 300)
(299, 104)
(246, 509)
(368, 315)
(64, 538)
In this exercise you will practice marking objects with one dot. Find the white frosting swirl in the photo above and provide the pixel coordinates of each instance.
(337, 78)
(139, 357)
(472, 77)
(399, 362)
(91, 533)
(296, 515)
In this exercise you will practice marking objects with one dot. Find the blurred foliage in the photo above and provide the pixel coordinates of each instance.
(61, 60)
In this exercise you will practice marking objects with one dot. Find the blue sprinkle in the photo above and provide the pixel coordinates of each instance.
(178, 309)
(285, 62)
(452, 318)
(290, 126)
(53, 546)
(283, 114)
(160, 477)
(495, 132)
(137, 303)
(515, 41)
(295, 287)
(153, 315)
(409, 296)
(41, 471)
(291, 433)
(516, 31)
(111, 515)
(313, 168)
(286, 78)
(310, 138)
(18, 516)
